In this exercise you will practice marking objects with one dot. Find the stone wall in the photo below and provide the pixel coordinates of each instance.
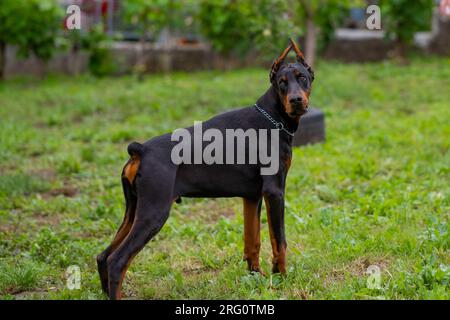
(157, 59)
(352, 45)
(359, 45)
(66, 62)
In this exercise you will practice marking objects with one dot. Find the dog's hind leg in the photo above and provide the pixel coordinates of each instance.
(124, 229)
(150, 217)
(154, 192)
(129, 173)
(275, 218)
(252, 226)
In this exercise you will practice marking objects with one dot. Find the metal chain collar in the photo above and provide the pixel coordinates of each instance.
(278, 125)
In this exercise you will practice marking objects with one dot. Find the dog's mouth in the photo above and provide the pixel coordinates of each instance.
(298, 111)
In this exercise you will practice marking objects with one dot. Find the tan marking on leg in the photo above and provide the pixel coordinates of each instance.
(121, 234)
(272, 236)
(252, 227)
(118, 293)
(281, 259)
(279, 252)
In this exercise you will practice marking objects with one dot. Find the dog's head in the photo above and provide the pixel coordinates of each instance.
(292, 81)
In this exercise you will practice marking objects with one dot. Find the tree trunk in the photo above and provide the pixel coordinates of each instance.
(141, 66)
(165, 46)
(400, 55)
(141, 62)
(74, 60)
(399, 52)
(310, 41)
(2, 60)
(311, 34)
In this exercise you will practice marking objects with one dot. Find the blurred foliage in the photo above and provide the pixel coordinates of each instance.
(97, 44)
(31, 25)
(327, 15)
(231, 26)
(265, 25)
(403, 18)
(101, 62)
(241, 26)
(151, 16)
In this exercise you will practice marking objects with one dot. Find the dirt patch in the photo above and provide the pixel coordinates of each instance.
(198, 269)
(358, 268)
(46, 220)
(50, 175)
(26, 295)
(19, 222)
(302, 294)
(46, 174)
(8, 227)
(66, 191)
(8, 168)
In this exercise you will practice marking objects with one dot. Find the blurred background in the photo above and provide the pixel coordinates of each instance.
(142, 36)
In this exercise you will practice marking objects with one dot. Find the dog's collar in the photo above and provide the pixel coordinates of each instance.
(278, 125)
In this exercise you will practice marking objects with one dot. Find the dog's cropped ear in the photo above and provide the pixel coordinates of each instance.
(278, 62)
(301, 57)
(298, 52)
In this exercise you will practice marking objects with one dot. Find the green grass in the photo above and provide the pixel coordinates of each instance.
(375, 193)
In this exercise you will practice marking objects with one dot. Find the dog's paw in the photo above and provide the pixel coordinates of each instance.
(278, 268)
(258, 270)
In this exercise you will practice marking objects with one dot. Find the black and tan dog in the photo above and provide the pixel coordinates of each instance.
(151, 181)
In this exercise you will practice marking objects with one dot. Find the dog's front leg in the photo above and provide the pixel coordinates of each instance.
(252, 226)
(274, 201)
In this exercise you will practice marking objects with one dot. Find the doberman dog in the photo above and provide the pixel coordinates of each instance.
(152, 182)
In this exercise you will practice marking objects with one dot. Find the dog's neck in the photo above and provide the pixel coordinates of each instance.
(270, 101)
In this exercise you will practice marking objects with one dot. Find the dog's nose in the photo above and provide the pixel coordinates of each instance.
(295, 100)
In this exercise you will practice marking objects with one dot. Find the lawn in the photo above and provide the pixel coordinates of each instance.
(375, 193)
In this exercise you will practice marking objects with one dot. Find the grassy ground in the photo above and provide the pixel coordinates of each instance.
(376, 193)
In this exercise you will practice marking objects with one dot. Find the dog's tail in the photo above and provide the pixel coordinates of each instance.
(135, 148)
(129, 173)
(131, 169)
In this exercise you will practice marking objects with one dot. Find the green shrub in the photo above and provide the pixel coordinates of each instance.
(31, 25)
(97, 44)
(403, 18)
(241, 26)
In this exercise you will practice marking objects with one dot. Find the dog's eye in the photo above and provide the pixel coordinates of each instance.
(282, 83)
(302, 79)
